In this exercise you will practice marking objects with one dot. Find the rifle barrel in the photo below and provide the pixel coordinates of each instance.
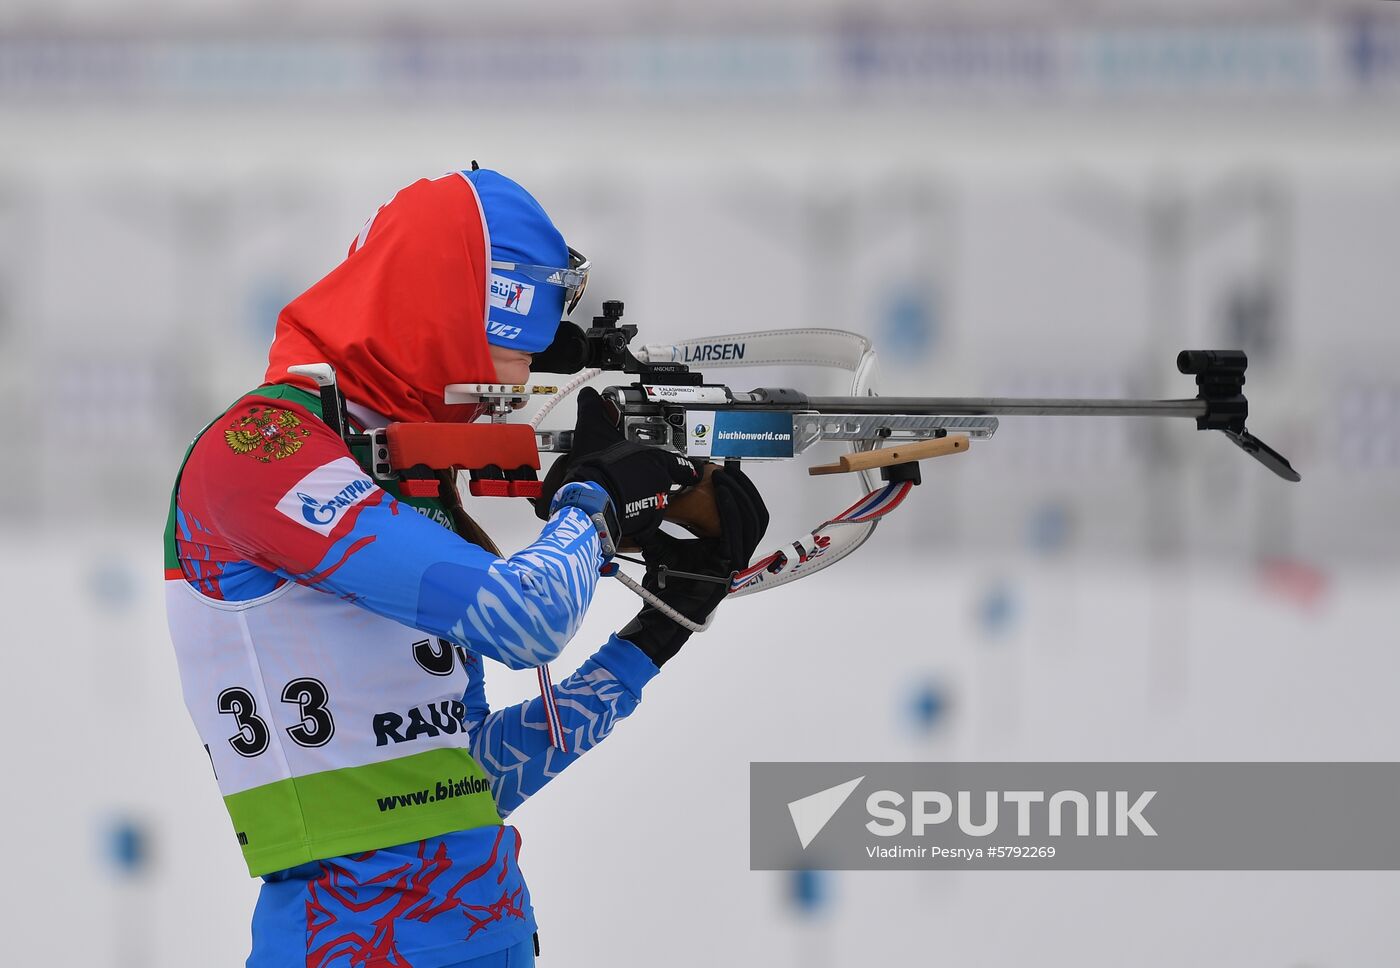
(1009, 406)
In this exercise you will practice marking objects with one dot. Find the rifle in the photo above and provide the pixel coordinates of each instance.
(669, 404)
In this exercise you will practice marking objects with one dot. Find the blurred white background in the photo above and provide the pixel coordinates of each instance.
(1033, 198)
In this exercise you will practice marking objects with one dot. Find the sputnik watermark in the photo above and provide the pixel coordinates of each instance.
(811, 813)
(1105, 816)
(1112, 812)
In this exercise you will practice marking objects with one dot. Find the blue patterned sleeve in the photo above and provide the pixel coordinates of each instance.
(314, 516)
(521, 610)
(512, 744)
(318, 519)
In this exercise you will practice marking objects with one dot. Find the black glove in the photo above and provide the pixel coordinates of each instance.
(595, 430)
(637, 477)
(743, 519)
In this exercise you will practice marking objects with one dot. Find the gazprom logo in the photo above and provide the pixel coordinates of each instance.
(316, 511)
(512, 296)
(319, 499)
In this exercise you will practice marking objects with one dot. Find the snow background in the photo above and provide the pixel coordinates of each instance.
(1072, 590)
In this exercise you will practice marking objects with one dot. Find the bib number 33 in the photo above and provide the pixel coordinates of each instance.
(309, 696)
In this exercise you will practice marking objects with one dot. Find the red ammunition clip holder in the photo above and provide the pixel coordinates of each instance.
(503, 460)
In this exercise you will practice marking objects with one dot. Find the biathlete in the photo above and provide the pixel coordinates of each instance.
(331, 631)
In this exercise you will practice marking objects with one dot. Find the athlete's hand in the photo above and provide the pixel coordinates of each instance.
(639, 479)
(743, 519)
(595, 430)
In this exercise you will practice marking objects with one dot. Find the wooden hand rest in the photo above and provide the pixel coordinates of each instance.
(868, 459)
(694, 508)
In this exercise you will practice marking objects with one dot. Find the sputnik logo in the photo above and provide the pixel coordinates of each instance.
(812, 813)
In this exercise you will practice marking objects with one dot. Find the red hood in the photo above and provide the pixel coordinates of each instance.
(404, 314)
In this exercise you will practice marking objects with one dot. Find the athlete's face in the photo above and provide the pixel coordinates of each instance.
(512, 366)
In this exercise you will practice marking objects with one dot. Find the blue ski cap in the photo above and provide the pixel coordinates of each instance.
(522, 313)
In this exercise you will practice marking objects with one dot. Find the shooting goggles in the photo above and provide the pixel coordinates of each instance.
(574, 279)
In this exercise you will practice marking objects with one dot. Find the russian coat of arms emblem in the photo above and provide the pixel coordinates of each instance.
(267, 434)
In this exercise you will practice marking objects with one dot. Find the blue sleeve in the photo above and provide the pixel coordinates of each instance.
(315, 517)
(512, 744)
(519, 610)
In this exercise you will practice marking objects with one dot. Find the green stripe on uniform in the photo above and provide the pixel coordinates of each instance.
(359, 808)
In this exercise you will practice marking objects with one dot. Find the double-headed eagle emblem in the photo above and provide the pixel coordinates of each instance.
(266, 434)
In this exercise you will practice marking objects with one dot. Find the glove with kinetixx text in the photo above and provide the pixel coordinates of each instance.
(672, 561)
(638, 478)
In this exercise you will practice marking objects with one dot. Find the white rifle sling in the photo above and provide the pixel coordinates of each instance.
(839, 349)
